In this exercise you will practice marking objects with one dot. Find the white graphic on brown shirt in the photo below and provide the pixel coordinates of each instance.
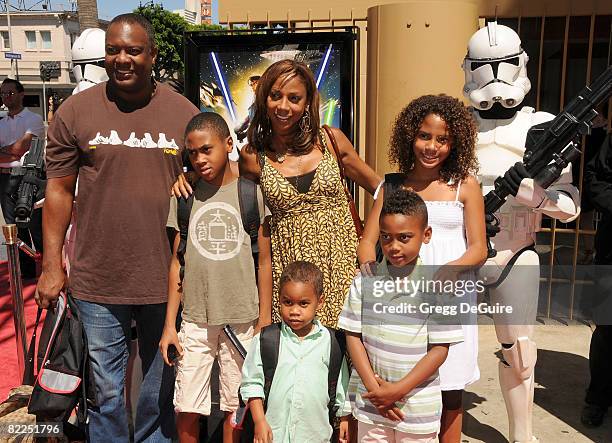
(134, 142)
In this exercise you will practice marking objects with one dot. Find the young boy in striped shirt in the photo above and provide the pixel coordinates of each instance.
(396, 352)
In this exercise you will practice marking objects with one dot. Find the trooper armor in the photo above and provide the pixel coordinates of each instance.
(88, 53)
(496, 84)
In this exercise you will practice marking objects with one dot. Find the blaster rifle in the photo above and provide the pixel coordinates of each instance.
(32, 186)
(552, 145)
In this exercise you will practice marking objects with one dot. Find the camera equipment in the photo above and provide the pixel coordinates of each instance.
(32, 186)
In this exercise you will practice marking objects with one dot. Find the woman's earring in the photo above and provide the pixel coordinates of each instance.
(305, 123)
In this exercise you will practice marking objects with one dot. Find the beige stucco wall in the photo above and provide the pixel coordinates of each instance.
(414, 48)
(239, 10)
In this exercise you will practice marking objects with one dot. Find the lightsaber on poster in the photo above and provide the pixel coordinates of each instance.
(329, 110)
(323, 65)
(229, 74)
(228, 99)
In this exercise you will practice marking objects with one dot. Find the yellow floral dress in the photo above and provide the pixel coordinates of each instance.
(315, 226)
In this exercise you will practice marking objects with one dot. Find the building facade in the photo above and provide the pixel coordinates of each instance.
(198, 12)
(41, 37)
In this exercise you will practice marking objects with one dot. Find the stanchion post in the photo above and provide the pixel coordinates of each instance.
(12, 250)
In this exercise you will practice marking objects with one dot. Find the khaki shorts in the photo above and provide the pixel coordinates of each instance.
(202, 344)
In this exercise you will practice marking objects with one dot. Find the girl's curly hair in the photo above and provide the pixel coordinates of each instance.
(461, 127)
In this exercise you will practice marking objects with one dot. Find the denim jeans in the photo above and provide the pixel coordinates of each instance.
(108, 329)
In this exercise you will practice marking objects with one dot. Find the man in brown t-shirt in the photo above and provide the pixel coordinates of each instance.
(122, 139)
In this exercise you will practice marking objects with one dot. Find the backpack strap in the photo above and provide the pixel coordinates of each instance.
(183, 212)
(249, 210)
(336, 357)
(269, 347)
(30, 371)
(87, 393)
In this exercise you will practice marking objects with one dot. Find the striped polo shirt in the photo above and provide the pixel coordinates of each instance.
(395, 343)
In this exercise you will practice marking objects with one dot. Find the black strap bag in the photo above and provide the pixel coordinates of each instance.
(64, 381)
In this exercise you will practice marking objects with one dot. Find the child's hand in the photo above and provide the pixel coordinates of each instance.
(448, 272)
(385, 396)
(263, 432)
(169, 339)
(343, 434)
(393, 414)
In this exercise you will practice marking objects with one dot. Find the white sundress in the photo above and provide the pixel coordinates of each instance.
(448, 243)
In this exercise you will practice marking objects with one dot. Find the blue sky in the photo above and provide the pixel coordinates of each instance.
(107, 9)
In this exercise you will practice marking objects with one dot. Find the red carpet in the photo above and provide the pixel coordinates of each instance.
(9, 377)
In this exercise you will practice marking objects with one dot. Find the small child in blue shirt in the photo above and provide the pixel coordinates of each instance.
(298, 399)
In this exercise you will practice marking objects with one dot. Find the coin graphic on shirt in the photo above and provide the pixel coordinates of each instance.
(216, 231)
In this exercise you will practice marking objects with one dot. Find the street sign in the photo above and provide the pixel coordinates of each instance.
(12, 55)
(49, 70)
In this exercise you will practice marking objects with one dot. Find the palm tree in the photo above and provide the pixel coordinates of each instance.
(88, 14)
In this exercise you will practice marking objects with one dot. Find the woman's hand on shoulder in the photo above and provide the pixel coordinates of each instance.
(248, 163)
(182, 186)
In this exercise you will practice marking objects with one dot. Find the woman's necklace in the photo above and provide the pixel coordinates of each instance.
(280, 157)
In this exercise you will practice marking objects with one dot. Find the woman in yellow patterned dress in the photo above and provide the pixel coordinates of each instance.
(293, 160)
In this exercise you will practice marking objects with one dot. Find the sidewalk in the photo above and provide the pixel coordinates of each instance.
(562, 375)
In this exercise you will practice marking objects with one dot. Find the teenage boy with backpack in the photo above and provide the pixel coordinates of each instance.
(299, 399)
(212, 273)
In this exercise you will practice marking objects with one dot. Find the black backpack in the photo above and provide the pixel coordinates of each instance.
(249, 212)
(269, 345)
(64, 380)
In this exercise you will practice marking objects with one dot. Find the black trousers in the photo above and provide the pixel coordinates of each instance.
(31, 236)
(599, 391)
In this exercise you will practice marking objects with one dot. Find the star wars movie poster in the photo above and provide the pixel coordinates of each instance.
(229, 76)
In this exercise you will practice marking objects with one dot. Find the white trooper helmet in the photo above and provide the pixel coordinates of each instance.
(495, 68)
(88, 53)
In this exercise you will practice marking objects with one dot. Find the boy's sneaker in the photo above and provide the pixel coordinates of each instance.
(593, 415)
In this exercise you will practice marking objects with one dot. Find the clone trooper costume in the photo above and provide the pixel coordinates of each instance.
(88, 53)
(496, 83)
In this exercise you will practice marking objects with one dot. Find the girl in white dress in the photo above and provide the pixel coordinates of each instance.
(432, 143)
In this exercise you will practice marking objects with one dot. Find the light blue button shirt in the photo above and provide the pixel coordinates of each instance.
(297, 405)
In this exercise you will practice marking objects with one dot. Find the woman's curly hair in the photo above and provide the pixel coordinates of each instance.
(461, 127)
